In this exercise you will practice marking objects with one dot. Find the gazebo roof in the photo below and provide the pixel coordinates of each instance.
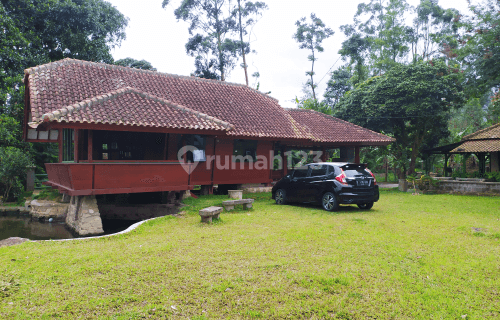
(483, 141)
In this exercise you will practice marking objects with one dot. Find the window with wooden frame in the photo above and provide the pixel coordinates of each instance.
(245, 150)
(68, 147)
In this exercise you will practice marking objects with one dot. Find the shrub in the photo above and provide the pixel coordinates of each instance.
(13, 165)
(427, 183)
(492, 176)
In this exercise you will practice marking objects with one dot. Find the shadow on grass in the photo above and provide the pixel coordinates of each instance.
(343, 209)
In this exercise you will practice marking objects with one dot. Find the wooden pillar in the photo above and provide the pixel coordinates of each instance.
(76, 146)
(60, 142)
(356, 154)
(445, 167)
(165, 147)
(386, 169)
(285, 162)
(464, 162)
(213, 164)
(184, 156)
(172, 147)
(494, 161)
(482, 163)
(323, 154)
(90, 145)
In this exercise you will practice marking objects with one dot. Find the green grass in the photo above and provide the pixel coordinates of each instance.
(48, 194)
(410, 257)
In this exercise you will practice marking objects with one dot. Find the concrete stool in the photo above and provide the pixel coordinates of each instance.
(229, 204)
(235, 194)
(208, 213)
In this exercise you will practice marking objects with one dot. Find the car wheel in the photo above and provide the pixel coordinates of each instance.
(329, 202)
(365, 206)
(280, 196)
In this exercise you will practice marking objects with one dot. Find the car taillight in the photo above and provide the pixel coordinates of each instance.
(341, 177)
(374, 179)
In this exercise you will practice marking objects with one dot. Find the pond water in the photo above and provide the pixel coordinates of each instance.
(24, 227)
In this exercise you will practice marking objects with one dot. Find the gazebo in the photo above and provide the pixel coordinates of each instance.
(485, 144)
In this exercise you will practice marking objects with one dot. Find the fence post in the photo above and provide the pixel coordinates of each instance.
(30, 179)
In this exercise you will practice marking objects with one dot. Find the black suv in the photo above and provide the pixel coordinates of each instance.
(330, 184)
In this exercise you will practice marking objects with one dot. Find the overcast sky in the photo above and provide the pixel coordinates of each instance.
(153, 34)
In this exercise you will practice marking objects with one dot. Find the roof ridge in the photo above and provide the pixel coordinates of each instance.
(69, 61)
(297, 127)
(470, 136)
(88, 103)
(339, 120)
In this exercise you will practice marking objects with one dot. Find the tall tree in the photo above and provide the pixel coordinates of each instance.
(380, 30)
(411, 102)
(434, 30)
(480, 48)
(338, 85)
(133, 63)
(41, 31)
(48, 30)
(310, 36)
(212, 47)
(250, 12)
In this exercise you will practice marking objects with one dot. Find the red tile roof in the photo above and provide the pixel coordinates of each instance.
(129, 106)
(57, 87)
(325, 128)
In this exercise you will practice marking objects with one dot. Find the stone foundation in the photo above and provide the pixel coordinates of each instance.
(469, 187)
(45, 210)
(255, 188)
(83, 216)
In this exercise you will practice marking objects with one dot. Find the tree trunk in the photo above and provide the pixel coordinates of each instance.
(386, 169)
(242, 45)
(312, 73)
(414, 151)
(219, 43)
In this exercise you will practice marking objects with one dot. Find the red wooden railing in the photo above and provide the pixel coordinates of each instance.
(277, 175)
(118, 177)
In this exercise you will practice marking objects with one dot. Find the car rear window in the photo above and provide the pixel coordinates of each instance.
(319, 170)
(352, 170)
(300, 172)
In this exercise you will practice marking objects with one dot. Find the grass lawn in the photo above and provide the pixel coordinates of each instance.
(423, 257)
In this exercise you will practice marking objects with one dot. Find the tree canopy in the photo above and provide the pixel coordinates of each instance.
(310, 36)
(412, 102)
(38, 32)
(213, 25)
(133, 63)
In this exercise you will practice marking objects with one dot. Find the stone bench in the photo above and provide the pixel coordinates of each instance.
(208, 213)
(229, 204)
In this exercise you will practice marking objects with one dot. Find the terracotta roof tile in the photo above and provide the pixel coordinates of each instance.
(57, 86)
(129, 106)
(476, 146)
(325, 128)
(492, 132)
(67, 82)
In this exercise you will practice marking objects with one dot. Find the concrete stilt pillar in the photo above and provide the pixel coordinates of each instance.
(66, 198)
(206, 190)
(83, 216)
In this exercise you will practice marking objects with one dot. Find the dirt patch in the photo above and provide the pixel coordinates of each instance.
(12, 241)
